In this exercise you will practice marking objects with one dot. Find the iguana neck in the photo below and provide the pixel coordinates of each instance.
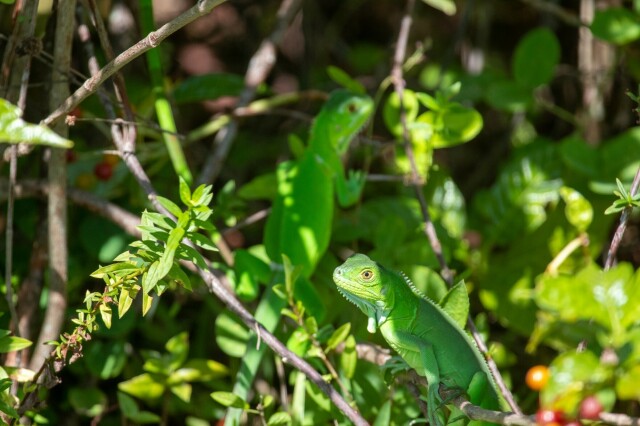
(399, 301)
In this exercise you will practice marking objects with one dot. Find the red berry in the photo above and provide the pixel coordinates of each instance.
(590, 408)
(546, 417)
(103, 171)
(71, 156)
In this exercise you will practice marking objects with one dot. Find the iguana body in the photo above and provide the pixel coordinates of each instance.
(419, 330)
(300, 221)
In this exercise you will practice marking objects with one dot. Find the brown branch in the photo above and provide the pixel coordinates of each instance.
(152, 40)
(121, 217)
(258, 70)
(622, 225)
(57, 197)
(16, 71)
(557, 11)
(429, 229)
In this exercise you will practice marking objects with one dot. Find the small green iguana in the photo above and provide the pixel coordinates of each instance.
(299, 224)
(430, 340)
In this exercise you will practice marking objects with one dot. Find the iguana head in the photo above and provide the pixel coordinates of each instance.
(359, 280)
(343, 115)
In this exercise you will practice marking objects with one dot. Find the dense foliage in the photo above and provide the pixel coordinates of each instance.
(511, 134)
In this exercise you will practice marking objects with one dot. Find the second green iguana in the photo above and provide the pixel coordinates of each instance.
(431, 341)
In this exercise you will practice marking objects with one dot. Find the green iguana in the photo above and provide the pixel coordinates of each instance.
(431, 341)
(300, 221)
(299, 224)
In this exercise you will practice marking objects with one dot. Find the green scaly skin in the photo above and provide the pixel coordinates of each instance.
(299, 225)
(420, 331)
(300, 222)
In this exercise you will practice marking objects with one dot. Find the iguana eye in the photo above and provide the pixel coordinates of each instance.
(366, 275)
(352, 107)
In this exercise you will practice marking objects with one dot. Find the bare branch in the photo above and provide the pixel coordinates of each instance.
(429, 229)
(149, 42)
(258, 70)
(622, 226)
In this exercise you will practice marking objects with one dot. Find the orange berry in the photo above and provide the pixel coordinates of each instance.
(537, 377)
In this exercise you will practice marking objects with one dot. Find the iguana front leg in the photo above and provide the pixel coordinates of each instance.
(349, 189)
(428, 368)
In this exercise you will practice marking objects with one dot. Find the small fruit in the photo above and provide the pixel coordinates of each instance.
(71, 156)
(590, 408)
(85, 181)
(537, 377)
(103, 171)
(549, 417)
(111, 159)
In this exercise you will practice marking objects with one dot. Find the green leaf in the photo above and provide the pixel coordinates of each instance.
(131, 411)
(147, 301)
(446, 6)
(384, 415)
(90, 402)
(14, 129)
(453, 126)
(616, 25)
(182, 391)
(578, 210)
(518, 201)
(391, 111)
(508, 95)
(536, 58)
(338, 336)
(199, 370)
(229, 399)
(249, 272)
(125, 299)
(208, 87)
(9, 410)
(185, 193)
(571, 374)
(608, 298)
(344, 80)
(151, 277)
(202, 241)
(105, 314)
(279, 418)
(177, 274)
(349, 358)
(145, 386)
(261, 187)
(178, 347)
(106, 358)
(189, 253)
(231, 334)
(12, 344)
(169, 205)
(456, 304)
(291, 273)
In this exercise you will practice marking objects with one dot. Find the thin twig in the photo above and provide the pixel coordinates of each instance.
(258, 70)
(152, 40)
(54, 315)
(398, 82)
(622, 226)
(557, 11)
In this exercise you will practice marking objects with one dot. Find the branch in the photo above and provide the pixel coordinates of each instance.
(622, 226)
(429, 229)
(54, 315)
(258, 70)
(152, 40)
